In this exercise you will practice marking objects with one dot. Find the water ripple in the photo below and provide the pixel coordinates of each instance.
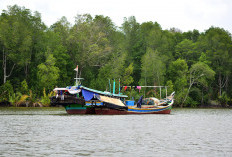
(186, 132)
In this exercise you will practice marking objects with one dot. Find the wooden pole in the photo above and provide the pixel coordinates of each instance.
(166, 91)
(76, 77)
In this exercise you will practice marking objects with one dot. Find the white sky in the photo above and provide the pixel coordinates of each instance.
(183, 14)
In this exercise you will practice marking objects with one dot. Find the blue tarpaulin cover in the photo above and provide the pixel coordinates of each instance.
(103, 93)
(88, 95)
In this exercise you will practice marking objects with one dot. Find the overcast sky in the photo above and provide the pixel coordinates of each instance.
(183, 14)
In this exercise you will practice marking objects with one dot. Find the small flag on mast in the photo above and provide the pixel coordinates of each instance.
(76, 69)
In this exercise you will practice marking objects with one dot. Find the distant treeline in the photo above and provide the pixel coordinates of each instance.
(36, 58)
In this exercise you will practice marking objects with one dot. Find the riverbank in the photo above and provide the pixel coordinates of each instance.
(8, 104)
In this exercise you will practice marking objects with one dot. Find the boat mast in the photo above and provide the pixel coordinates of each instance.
(114, 87)
(78, 80)
(76, 75)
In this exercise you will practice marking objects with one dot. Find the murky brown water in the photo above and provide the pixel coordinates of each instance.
(51, 132)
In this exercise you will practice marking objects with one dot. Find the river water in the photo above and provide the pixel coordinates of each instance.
(51, 132)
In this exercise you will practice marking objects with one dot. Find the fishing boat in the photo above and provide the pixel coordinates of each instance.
(84, 100)
(79, 99)
(152, 106)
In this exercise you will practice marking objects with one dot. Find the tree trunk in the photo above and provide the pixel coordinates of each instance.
(4, 66)
(190, 85)
(186, 96)
(222, 82)
(5, 76)
(26, 70)
(202, 96)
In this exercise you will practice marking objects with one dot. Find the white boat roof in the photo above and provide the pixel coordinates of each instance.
(56, 89)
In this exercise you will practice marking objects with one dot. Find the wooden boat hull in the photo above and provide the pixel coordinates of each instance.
(79, 109)
(136, 111)
(155, 110)
(109, 111)
(104, 110)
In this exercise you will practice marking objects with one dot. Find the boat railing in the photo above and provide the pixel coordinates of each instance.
(160, 87)
(65, 99)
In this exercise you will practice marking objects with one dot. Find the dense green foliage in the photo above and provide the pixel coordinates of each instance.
(34, 57)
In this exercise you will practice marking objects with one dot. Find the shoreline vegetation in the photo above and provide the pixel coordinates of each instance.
(36, 58)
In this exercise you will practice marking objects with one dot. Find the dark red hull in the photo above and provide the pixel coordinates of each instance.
(81, 111)
(76, 111)
(107, 111)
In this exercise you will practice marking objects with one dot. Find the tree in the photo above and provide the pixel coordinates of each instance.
(89, 44)
(192, 35)
(186, 50)
(6, 90)
(163, 42)
(153, 69)
(17, 34)
(62, 28)
(48, 73)
(216, 43)
(133, 45)
(24, 87)
(199, 73)
(59, 52)
(177, 73)
(127, 78)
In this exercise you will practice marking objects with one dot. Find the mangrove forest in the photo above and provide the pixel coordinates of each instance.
(36, 58)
